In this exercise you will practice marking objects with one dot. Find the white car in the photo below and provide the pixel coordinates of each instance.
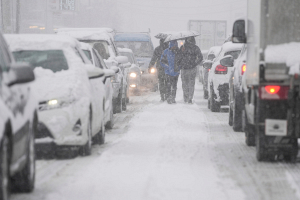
(18, 125)
(218, 77)
(98, 62)
(70, 92)
(102, 41)
(133, 72)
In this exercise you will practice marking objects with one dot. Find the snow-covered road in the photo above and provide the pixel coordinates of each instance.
(162, 151)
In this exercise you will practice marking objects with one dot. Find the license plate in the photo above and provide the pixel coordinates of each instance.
(275, 127)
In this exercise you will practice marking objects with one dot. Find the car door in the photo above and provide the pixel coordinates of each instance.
(107, 85)
(97, 96)
(16, 98)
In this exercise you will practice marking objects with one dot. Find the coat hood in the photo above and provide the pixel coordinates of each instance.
(173, 44)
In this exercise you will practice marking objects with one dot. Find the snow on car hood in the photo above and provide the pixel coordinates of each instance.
(66, 84)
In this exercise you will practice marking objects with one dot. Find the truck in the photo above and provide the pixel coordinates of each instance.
(271, 113)
(212, 32)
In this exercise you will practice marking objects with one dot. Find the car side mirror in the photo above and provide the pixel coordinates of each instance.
(109, 73)
(127, 65)
(115, 69)
(207, 64)
(239, 32)
(94, 72)
(20, 73)
(227, 61)
(140, 63)
(122, 59)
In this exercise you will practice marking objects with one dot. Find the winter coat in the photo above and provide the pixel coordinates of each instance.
(158, 51)
(167, 59)
(189, 56)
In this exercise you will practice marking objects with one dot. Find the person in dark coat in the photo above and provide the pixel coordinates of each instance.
(171, 70)
(189, 57)
(160, 70)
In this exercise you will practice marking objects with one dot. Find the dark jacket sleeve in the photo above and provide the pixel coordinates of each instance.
(199, 56)
(155, 57)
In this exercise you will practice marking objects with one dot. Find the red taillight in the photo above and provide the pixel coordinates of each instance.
(273, 92)
(220, 69)
(244, 67)
(208, 69)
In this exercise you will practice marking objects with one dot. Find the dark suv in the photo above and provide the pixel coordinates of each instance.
(18, 122)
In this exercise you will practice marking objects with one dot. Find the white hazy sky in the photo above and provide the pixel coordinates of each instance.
(173, 15)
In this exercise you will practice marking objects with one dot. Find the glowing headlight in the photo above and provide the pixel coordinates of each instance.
(52, 102)
(133, 75)
(152, 71)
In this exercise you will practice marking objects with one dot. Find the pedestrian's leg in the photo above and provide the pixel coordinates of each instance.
(174, 85)
(191, 86)
(184, 84)
(164, 85)
(161, 85)
(168, 88)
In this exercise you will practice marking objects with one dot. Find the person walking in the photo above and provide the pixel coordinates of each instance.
(160, 70)
(171, 70)
(189, 57)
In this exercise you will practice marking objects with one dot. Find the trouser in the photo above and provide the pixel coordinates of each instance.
(162, 84)
(171, 86)
(188, 77)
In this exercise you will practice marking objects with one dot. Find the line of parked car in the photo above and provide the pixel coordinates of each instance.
(58, 95)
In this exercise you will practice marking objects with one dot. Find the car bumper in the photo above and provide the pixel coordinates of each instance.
(58, 126)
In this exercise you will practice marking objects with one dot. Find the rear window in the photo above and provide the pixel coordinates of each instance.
(211, 57)
(54, 60)
(234, 54)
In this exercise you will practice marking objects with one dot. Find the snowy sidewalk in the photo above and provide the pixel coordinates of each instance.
(164, 155)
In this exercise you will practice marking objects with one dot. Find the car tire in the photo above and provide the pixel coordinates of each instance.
(214, 106)
(24, 180)
(110, 123)
(4, 168)
(101, 134)
(249, 131)
(124, 104)
(86, 150)
(230, 116)
(237, 114)
(260, 148)
(118, 103)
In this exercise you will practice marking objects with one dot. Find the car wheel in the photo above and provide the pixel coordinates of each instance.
(110, 123)
(230, 116)
(237, 115)
(205, 94)
(124, 104)
(118, 103)
(214, 106)
(260, 150)
(101, 134)
(4, 165)
(86, 150)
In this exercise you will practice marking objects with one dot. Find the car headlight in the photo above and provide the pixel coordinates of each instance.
(53, 104)
(152, 70)
(133, 75)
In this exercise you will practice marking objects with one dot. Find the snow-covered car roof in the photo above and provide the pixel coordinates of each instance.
(214, 50)
(19, 42)
(125, 50)
(134, 37)
(104, 29)
(229, 46)
(87, 35)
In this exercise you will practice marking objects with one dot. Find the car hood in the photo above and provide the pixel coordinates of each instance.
(60, 85)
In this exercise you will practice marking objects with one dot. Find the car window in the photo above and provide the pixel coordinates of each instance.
(140, 49)
(211, 57)
(114, 48)
(100, 59)
(97, 62)
(78, 54)
(54, 60)
(88, 55)
(234, 54)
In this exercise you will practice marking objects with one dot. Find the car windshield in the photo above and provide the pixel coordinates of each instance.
(234, 54)
(88, 55)
(128, 55)
(100, 46)
(140, 49)
(50, 59)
